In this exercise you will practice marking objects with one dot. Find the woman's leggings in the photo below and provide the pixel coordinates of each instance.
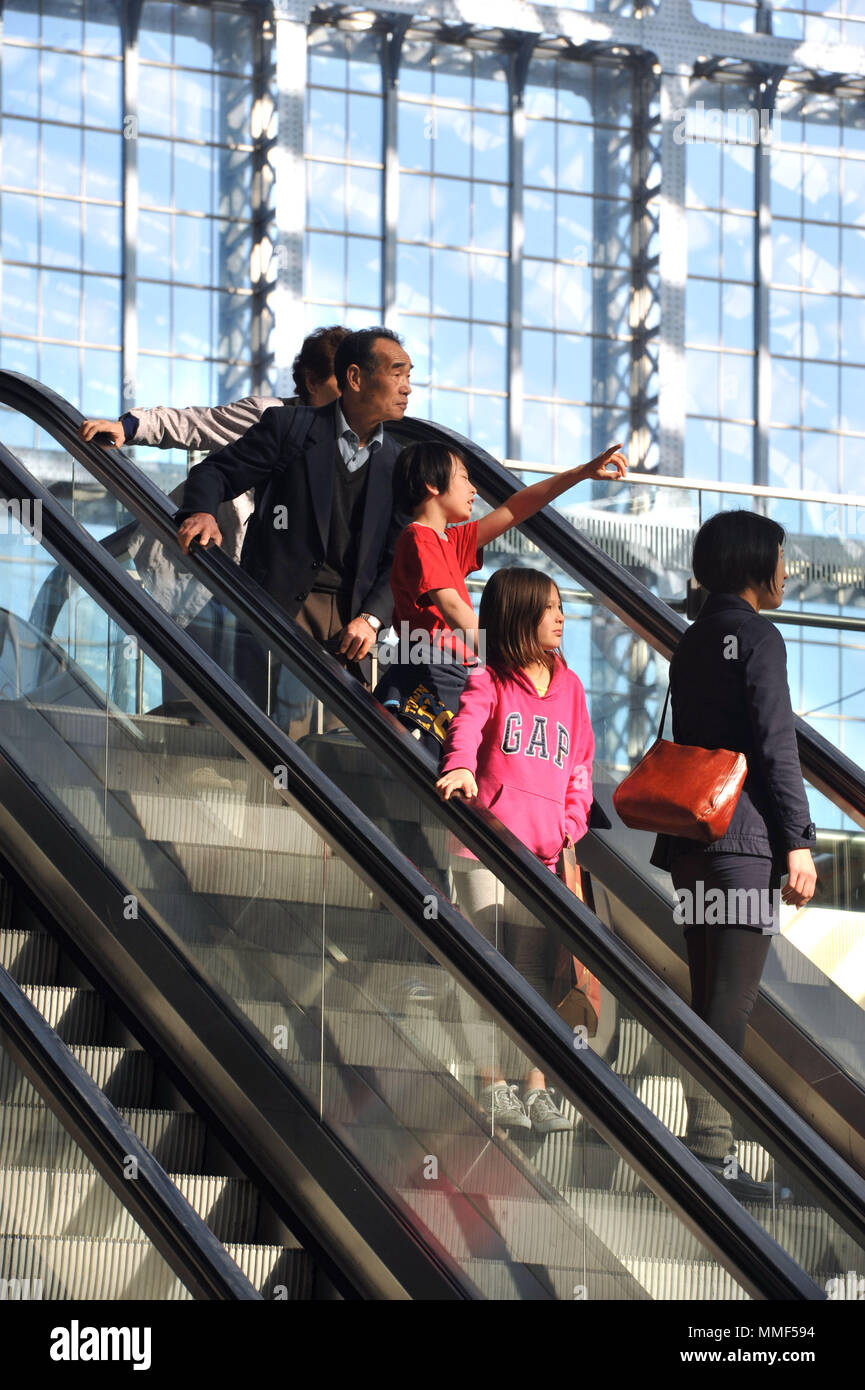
(726, 959)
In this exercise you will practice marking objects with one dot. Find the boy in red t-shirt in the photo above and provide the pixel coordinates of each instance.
(436, 625)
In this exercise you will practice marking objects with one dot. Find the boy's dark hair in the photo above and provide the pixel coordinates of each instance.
(512, 606)
(735, 549)
(419, 465)
(316, 356)
(358, 349)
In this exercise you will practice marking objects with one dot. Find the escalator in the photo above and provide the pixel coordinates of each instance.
(313, 914)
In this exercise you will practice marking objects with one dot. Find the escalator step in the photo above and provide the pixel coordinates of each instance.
(77, 1015)
(78, 1267)
(30, 1134)
(31, 957)
(46, 1202)
(124, 1074)
(673, 1279)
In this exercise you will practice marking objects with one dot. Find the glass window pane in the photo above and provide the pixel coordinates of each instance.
(154, 101)
(737, 316)
(61, 232)
(489, 357)
(101, 319)
(452, 141)
(363, 272)
(154, 243)
(232, 110)
(853, 261)
(574, 298)
(575, 151)
(192, 250)
(191, 320)
(487, 424)
(61, 87)
(364, 200)
(413, 279)
(703, 164)
(820, 331)
(573, 367)
(785, 392)
(20, 80)
(490, 141)
(452, 212)
(538, 371)
(451, 283)
(102, 166)
(702, 382)
(738, 247)
(20, 154)
(20, 228)
(62, 24)
(102, 238)
(703, 243)
(59, 369)
(193, 97)
(702, 312)
(61, 159)
(154, 37)
(102, 27)
(326, 195)
(490, 217)
(364, 129)
(415, 136)
(20, 290)
(325, 276)
(61, 302)
(539, 221)
(450, 354)
(154, 172)
(101, 387)
(192, 179)
(538, 277)
(192, 41)
(540, 154)
(326, 125)
(415, 222)
(102, 92)
(738, 175)
(786, 183)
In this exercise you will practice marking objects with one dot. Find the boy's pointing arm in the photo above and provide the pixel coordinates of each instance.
(523, 504)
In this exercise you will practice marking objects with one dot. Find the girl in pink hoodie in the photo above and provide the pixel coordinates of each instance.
(521, 744)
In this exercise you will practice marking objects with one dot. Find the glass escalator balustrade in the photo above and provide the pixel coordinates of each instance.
(620, 673)
(386, 1047)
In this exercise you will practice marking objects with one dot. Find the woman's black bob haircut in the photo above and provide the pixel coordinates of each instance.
(420, 465)
(736, 549)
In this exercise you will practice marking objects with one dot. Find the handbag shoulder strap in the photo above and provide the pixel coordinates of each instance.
(664, 712)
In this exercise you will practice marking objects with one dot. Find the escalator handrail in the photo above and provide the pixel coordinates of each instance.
(176, 1230)
(774, 1122)
(729, 1231)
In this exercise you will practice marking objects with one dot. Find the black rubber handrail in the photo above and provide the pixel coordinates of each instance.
(176, 1230)
(729, 1231)
(782, 1131)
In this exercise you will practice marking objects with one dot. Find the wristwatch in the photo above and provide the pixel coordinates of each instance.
(374, 622)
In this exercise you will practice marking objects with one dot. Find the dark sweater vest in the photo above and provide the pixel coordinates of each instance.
(337, 574)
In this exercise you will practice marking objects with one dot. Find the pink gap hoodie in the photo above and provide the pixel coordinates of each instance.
(531, 754)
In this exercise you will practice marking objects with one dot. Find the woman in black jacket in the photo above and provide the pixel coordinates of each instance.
(728, 685)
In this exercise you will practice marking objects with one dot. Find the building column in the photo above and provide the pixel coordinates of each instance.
(291, 19)
(673, 239)
(519, 71)
(130, 18)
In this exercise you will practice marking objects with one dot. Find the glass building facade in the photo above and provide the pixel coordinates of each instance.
(618, 224)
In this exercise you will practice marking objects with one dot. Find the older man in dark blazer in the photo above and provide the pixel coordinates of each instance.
(322, 535)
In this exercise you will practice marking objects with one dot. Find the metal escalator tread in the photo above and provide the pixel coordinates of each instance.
(60, 1224)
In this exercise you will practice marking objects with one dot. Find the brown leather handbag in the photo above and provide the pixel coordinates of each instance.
(677, 789)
